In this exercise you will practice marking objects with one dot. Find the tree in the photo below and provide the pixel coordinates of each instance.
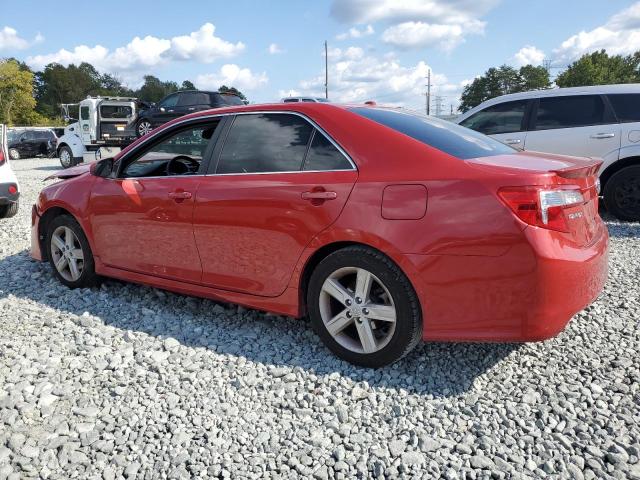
(598, 68)
(154, 90)
(16, 93)
(231, 91)
(501, 81)
(187, 85)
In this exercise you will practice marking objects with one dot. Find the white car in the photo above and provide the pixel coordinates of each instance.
(600, 121)
(9, 188)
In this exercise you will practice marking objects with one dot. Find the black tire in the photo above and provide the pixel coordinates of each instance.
(88, 277)
(14, 154)
(8, 211)
(140, 127)
(622, 194)
(408, 324)
(66, 157)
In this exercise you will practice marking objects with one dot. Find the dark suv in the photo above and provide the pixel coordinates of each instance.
(28, 143)
(181, 103)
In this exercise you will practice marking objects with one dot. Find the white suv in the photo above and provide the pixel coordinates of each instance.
(9, 189)
(601, 121)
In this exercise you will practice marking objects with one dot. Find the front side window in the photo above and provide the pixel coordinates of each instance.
(179, 154)
(323, 155)
(84, 113)
(170, 101)
(569, 112)
(272, 142)
(447, 137)
(505, 117)
(626, 106)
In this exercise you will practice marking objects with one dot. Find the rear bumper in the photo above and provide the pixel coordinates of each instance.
(530, 293)
(36, 252)
(7, 197)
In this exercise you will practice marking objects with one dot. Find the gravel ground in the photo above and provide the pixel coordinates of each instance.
(128, 381)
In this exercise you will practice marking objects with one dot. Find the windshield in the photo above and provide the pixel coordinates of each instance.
(448, 137)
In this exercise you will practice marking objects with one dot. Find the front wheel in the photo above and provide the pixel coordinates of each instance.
(69, 253)
(622, 194)
(66, 157)
(144, 127)
(363, 307)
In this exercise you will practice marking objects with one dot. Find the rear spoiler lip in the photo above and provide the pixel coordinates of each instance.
(580, 171)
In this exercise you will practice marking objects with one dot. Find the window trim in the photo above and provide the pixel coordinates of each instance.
(221, 141)
(607, 112)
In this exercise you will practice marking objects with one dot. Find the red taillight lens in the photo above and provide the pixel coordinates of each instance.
(1, 157)
(13, 189)
(542, 206)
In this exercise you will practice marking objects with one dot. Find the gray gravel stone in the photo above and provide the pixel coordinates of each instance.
(126, 381)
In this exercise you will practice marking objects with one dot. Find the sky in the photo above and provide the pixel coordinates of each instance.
(379, 50)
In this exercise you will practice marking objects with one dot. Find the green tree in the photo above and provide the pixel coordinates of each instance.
(599, 68)
(154, 89)
(16, 93)
(232, 91)
(501, 81)
(187, 85)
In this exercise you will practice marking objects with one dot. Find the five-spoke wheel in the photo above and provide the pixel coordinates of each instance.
(363, 307)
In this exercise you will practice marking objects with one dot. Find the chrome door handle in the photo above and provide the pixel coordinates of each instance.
(319, 195)
(179, 195)
(603, 135)
(191, 108)
(512, 141)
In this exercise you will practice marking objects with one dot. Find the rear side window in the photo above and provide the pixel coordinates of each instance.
(265, 143)
(626, 106)
(570, 111)
(448, 137)
(223, 99)
(505, 117)
(323, 155)
(193, 98)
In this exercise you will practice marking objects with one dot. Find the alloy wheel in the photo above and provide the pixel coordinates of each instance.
(144, 128)
(357, 310)
(67, 254)
(14, 154)
(627, 194)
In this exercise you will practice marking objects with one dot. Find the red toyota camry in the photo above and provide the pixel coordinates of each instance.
(383, 226)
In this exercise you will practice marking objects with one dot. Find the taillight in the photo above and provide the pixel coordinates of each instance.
(1, 157)
(542, 206)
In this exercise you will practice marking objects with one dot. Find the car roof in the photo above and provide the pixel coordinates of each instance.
(557, 92)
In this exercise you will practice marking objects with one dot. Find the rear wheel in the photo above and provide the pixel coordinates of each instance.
(69, 253)
(14, 154)
(622, 194)
(66, 157)
(363, 307)
(8, 211)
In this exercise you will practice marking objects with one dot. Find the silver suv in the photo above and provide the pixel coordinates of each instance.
(600, 121)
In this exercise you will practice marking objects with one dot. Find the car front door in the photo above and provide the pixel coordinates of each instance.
(142, 220)
(166, 110)
(277, 182)
(505, 122)
(580, 125)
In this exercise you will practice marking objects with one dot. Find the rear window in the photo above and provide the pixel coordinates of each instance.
(448, 137)
(115, 111)
(626, 106)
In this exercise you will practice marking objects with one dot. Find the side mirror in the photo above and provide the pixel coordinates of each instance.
(102, 168)
(23, 139)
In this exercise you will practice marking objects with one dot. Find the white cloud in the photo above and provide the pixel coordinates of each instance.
(529, 55)
(620, 35)
(355, 33)
(420, 34)
(231, 75)
(356, 77)
(274, 49)
(418, 23)
(142, 53)
(10, 40)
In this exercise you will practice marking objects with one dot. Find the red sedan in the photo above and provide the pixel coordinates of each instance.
(383, 226)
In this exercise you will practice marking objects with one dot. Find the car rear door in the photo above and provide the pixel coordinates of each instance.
(276, 182)
(189, 102)
(579, 125)
(506, 122)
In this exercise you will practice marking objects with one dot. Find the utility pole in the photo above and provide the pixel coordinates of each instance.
(429, 92)
(326, 72)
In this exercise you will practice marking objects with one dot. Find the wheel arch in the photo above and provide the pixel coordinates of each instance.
(43, 226)
(616, 167)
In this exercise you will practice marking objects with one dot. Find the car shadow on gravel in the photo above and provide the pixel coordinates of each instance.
(49, 168)
(431, 370)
